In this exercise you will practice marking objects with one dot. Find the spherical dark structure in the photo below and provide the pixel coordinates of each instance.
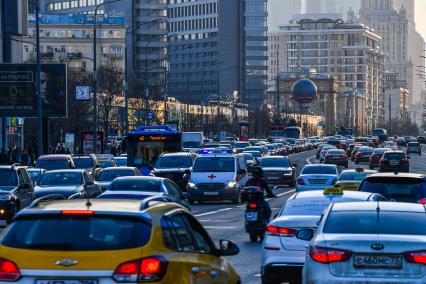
(304, 91)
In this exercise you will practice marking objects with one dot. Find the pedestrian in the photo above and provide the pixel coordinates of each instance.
(25, 158)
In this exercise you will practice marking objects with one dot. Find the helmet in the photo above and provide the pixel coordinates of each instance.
(257, 172)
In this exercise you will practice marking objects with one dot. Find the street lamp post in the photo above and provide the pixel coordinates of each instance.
(38, 78)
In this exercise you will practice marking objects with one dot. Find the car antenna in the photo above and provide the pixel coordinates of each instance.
(378, 211)
(88, 203)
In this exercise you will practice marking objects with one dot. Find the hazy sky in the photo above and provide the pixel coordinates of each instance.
(420, 17)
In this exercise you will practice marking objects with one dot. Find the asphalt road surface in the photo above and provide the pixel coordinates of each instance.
(226, 220)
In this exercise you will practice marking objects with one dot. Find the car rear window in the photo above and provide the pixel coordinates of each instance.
(110, 175)
(136, 184)
(393, 156)
(83, 163)
(371, 222)
(319, 170)
(352, 176)
(396, 188)
(51, 165)
(77, 233)
(413, 144)
(336, 152)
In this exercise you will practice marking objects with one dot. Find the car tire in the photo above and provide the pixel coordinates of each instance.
(253, 237)
(269, 281)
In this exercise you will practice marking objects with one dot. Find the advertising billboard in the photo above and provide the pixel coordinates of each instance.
(87, 142)
(18, 90)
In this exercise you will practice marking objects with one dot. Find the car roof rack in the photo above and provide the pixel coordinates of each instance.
(50, 197)
(146, 202)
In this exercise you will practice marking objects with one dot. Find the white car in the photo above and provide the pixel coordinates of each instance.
(283, 255)
(367, 242)
(317, 177)
(391, 145)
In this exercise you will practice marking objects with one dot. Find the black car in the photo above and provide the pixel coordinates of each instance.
(72, 184)
(89, 163)
(421, 139)
(279, 170)
(175, 166)
(400, 187)
(394, 161)
(336, 157)
(16, 191)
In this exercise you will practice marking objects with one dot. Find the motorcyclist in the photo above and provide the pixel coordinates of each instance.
(259, 181)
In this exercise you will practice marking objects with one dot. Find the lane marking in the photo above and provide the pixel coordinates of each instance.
(218, 227)
(287, 192)
(308, 160)
(213, 212)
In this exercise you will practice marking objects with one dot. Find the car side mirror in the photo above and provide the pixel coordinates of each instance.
(294, 165)
(228, 248)
(188, 172)
(305, 234)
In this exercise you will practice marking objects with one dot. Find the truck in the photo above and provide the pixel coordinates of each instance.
(192, 140)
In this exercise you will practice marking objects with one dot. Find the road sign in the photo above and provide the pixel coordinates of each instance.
(18, 90)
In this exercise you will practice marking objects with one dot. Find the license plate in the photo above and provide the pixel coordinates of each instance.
(75, 281)
(211, 193)
(377, 261)
(251, 216)
(274, 178)
(394, 162)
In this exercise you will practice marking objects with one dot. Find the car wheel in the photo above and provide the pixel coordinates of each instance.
(253, 237)
(266, 280)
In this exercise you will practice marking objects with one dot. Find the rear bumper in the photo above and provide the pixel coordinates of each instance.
(362, 159)
(388, 168)
(283, 180)
(311, 187)
(336, 162)
(283, 272)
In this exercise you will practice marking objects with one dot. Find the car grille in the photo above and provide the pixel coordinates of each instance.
(211, 186)
(273, 174)
(317, 181)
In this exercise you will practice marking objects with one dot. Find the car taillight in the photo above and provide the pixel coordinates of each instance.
(323, 153)
(9, 271)
(415, 256)
(326, 255)
(359, 154)
(147, 269)
(344, 157)
(382, 161)
(422, 201)
(280, 231)
(77, 212)
(252, 205)
(300, 181)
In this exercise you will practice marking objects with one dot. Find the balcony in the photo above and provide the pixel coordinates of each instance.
(49, 54)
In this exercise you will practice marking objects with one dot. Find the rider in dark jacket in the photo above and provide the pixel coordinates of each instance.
(259, 181)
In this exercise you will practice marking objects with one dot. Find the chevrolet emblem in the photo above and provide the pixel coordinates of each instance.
(66, 262)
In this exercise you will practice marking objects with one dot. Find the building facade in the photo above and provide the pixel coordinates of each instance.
(69, 39)
(217, 50)
(281, 12)
(351, 52)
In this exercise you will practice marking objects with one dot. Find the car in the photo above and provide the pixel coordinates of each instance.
(106, 162)
(112, 241)
(363, 154)
(401, 142)
(391, 145)
(213, 178)
(421, 139)
(174, 166)
(319, 149)
(127, 186)
(350, 149)
(414, 147)
(120, 161)
(317, 177)
(279, 170)
(355, 151)
(250, 160)
(73, 184)
(87, 162)
(336, 143)
(401, 187)
(283, 254)
(256, 155)
(367, 242)
(16, 191)
(375, 157)
(241, 145)
(323, 152)
(351, 179)
(55, 162)
(35, 174)
(337, 157)
(394, 161)
(106, 176)
(257, 148)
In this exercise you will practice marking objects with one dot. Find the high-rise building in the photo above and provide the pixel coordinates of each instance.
(351, 52)
(281, 12)
(409, 6)
(217, 47)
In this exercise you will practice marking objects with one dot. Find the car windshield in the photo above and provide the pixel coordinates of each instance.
(121, 162)
(110, 175)
(77, 233)
(400, 189)
(248, 156)
(214, 164)
(136, 185)
(336, 152)
(393, 156)
(413, 144)
(83, 163)
(191, 144)
(333, 142)
(366, 150)
(8, 177)
(312, 170)
(279, 163)
(379, 151)
(51, 165)
(241, 145)
(106, 163)
(370, 222)
(351, 176)
(168, 162)
(313, 206)
(255, 154)
(61, 178)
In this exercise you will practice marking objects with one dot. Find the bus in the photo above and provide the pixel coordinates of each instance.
(381, 133)
(147, 143)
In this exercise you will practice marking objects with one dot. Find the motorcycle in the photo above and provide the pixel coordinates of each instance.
(255, 219)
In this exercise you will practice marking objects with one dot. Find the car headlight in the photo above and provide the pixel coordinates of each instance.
(191, 185)
(5, 197)
(287, 173)
(231, 185)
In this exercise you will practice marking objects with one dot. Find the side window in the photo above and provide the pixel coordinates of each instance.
(202, 240)
(176, 234)
(27, 178)
(20, 177)
(173, 189)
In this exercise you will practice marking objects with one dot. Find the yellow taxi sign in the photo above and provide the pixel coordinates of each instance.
(333, 191)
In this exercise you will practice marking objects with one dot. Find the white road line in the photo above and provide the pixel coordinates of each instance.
(287, 192)
(218, 227)
(213, 212)
(308, 160)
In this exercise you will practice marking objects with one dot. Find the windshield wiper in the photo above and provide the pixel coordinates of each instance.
(54, 246)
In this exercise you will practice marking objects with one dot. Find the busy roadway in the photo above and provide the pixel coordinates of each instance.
(180, 208)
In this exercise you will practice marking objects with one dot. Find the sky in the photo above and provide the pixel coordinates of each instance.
(420, 17)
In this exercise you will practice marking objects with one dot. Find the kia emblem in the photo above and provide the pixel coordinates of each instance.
(212, 176)
(377, 246)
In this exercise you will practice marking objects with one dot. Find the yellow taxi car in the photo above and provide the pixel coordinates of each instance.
(351, 179)
(111, 241)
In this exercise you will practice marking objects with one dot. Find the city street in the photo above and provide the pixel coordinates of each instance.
(226, 221)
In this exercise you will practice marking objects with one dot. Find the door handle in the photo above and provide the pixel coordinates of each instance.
(196, 270)
(213, 273)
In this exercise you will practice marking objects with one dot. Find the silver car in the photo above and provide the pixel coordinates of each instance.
(367, 242)
(283, 255)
